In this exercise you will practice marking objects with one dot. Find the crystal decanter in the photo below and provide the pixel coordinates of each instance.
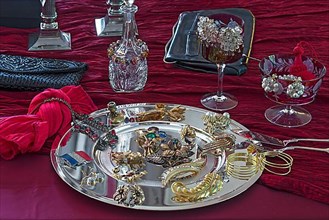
(127, 57)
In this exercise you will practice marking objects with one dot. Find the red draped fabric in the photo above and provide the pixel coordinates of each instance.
(279, 26)
(45, 119)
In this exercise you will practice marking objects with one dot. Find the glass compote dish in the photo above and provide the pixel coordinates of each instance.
(221, 38)
(288, 90)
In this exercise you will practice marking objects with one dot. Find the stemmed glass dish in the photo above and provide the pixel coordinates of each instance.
(221, 38)
(290, 91)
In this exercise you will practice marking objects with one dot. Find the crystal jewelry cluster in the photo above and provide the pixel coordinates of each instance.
(270, 84)
(216, 122)
(274, 83)
(216, 33)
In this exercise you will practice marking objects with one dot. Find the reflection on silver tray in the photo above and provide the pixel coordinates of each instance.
(95, 174)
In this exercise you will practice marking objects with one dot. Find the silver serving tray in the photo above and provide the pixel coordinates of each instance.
(157, 197)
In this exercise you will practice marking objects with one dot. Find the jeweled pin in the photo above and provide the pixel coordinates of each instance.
(75, 159)
(129, 195)
(91, 179)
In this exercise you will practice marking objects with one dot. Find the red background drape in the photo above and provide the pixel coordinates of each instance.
(280, 25)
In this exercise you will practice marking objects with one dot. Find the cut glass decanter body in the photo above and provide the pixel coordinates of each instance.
(127, 57)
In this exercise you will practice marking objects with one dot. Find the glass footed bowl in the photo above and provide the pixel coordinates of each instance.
(290, 91)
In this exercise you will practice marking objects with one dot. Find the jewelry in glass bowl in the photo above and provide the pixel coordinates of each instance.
(221, 37)
(294, 90)
(288, 90)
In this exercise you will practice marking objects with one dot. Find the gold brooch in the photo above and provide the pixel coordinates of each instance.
(211, 184)
(129, 166)
(183, 171)
(162, 113)
(219, 145)
(129, 195)
(161, 149)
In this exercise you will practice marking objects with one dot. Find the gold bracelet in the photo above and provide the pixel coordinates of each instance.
(283, 156)
(243, 165)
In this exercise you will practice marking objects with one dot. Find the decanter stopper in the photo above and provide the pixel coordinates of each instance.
(127, 56)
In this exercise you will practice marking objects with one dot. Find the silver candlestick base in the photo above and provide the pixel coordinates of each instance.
(112, 23)
(49, 37)
(109, 26)
(49, 40)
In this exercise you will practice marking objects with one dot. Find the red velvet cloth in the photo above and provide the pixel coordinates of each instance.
(279, 26)
(28, 133)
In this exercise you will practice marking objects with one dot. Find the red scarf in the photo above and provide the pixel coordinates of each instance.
(28, 133)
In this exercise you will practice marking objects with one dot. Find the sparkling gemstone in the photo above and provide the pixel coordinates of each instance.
(151, 135)
(162, 134)
(112, 141)
(126, 120)
(94, 136)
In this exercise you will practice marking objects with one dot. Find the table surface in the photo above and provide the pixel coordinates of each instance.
(30, 188)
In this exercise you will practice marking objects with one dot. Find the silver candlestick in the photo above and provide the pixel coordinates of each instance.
(49, 37)
(112, 23)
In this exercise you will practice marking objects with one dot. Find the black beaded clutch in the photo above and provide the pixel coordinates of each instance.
(30, 73)
(183, 51)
